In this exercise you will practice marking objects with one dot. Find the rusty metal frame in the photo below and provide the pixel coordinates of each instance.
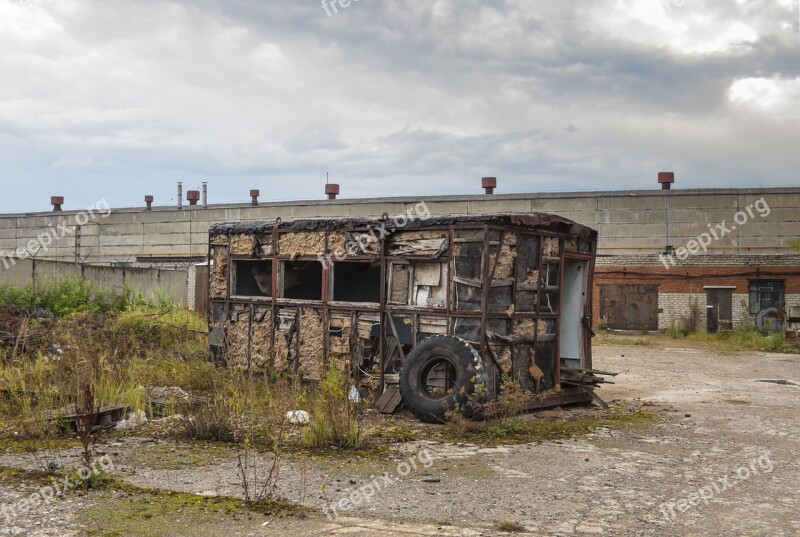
(489, 262)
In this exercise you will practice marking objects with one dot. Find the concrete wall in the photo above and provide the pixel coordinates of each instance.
(149, 281)
(629, 222)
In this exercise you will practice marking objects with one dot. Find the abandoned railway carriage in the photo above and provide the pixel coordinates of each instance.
(427, 309)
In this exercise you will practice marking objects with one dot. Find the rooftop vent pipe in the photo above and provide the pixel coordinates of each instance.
(205, 195)
(332, 190)
(254, 197)
(57, 202)
(489, 184)
(180, 195)
(192, 196)
(148, 199)
(666, 179)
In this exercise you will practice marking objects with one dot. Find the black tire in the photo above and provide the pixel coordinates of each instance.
(450, 356)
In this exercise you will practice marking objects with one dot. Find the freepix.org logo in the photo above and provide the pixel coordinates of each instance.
(715, 232)
(53, 233)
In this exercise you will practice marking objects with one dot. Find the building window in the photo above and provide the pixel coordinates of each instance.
(302, 280)
(357, 282)
(765, 294)
(252, 278)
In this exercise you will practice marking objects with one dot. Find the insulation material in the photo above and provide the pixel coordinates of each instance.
(284, 348)
(536, 373)
(532, 277)
(426, 243)
(544, 327)
(571, 245)
(312, 349)
(261, 340)
(337, 242)
(502, 355)
(242, 244)
(550, 247)
(400, 282)
(340, 331)
(237, 338)
(219, 273)
(526, 327)
(307, 244)
(219, 240)
(354, 243)
(505, 263)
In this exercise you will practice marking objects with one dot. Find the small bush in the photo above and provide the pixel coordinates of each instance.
(678, 329)
(212, 421)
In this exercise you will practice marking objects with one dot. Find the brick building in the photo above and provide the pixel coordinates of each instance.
(637, 292)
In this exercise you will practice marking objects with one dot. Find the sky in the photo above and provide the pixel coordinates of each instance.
(115, 99)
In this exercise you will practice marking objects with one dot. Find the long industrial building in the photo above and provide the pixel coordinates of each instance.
(713, 258)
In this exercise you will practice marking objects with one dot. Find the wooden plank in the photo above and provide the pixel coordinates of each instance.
(390, 401)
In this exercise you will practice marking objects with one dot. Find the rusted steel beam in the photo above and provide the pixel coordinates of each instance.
(382, 319)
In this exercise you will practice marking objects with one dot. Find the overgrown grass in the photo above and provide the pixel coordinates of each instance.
(68, 296)
(745, 337)
(335, 419)
(116, 344)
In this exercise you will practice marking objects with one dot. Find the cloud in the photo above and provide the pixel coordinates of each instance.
(121, 99)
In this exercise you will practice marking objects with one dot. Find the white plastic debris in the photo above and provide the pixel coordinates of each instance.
(298, 417)
(354, 396)
(135, 419)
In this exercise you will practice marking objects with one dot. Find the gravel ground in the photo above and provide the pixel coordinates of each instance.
(723, 431)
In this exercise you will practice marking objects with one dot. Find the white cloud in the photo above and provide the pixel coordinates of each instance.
(775, 96)
(408, 96)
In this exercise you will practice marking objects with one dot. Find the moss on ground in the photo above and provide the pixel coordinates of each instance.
(126, 510)
(516, 430)
(24, 445)
(176, 456)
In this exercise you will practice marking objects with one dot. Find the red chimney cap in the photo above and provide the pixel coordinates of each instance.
(666, 177)
(255, 193)
(193, 195)
(489, 182)
(332, 189)
(149, 198)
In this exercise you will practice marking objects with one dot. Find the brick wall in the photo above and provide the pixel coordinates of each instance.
(684, 285)
(191, 283)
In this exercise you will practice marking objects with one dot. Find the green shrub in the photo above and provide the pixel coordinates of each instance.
(335, 419)
(69, 296)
